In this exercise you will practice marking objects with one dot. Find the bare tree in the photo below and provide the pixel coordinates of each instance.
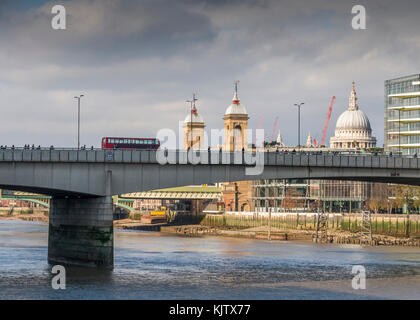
(379, 197)
(292, 200)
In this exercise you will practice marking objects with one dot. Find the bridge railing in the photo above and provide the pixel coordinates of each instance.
(318, 152)
(330, 159)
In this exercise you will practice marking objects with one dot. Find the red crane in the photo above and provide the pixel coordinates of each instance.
(260, 123)
(324, 133)
(274, 129)
(259, 127)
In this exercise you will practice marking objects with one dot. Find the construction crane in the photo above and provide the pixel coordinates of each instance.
(324, 133)
(274, 128)
(261, 121)
(259, 127)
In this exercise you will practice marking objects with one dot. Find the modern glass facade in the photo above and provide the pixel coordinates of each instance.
(307, 195)
(402, 115)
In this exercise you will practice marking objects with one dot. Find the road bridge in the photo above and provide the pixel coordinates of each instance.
(82, 183)
(184, 193)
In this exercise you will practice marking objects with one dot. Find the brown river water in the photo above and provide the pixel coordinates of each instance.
(150, 265)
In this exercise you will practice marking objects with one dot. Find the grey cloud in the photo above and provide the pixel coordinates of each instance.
(137, 62)
(106, 31)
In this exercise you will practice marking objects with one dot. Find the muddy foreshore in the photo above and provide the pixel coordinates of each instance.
(259, 233)
(38, 217)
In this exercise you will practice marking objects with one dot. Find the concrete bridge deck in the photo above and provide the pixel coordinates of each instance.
(82, 172)
(210, 157)
(82, 183)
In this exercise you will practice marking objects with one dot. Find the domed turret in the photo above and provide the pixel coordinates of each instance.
(236, 107)
(193, 128)
(353, 128)
(235, 125)
(353, 118)
(193, 117)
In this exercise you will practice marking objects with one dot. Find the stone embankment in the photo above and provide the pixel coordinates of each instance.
(128, 224)
(252, 233)
(377, 240)
(38, 216)
(287, 235)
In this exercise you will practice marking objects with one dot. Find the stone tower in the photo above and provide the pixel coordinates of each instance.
(235, 125)
(193, 129)
(237, 196)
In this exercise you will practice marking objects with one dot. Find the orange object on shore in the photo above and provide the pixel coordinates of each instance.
(149, 219)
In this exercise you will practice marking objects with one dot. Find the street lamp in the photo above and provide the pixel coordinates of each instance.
(78, 119)
(298, 105)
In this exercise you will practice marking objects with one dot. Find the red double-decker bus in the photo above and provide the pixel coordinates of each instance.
(130, 143)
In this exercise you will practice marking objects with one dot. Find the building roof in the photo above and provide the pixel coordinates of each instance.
(193, 117)
(236, 107)
(353, 117)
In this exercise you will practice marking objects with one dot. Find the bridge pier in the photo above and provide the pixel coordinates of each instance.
(81, 232)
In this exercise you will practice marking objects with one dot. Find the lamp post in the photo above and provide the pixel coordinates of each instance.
(78, 119)
(298, 105)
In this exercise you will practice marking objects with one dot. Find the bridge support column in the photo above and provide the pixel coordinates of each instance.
(81, 232)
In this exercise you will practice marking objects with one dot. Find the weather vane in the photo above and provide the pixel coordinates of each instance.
(236, 85)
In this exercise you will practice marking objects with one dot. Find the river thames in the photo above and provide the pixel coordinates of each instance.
(150, 265)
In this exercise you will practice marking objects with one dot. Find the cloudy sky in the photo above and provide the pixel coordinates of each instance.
(138, 61)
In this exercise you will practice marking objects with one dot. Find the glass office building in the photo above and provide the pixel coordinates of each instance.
(307, 195)
(402, 115)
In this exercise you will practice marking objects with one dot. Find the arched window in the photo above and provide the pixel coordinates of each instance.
(237, 134)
